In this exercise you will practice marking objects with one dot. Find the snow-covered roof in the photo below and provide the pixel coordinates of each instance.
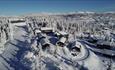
(37, 31)
(63, 39)
(46, 28)
(29, 55)
(16, 19)
(62, 33)
(19, 24)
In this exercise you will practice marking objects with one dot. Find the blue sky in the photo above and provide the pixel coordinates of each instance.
(18, 7)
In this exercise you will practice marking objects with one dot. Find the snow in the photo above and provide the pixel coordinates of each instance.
(12, 54)
(23, 51)
(19, 24)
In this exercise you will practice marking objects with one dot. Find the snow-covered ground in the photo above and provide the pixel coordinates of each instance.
(17, 56)
(23, 50)
(10, 58)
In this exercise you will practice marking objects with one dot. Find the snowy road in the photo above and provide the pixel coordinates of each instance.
(10, 59)
(102, 51)
(89, 59)
(108, 61)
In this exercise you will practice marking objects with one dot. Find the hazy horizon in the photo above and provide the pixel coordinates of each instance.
(21, 7)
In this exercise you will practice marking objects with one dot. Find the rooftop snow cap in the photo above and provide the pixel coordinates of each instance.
(62, 41)
(16, 20)
(37, 31)
(62, 33)
(46, 29)
(76, 46)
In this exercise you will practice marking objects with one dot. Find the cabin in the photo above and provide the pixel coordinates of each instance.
(62, 41)
(76, 45)
(19, 24)
(62, 34)
(75, 48)
(46, 29)
(17, 21)
(37, 31)
(44, 43)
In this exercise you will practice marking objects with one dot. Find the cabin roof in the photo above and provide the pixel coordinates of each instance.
(46, 28)
(37, 31)
(63, 33)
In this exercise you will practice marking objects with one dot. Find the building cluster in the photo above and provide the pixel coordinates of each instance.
(47, 36)
(66, 28)
(73, 26)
